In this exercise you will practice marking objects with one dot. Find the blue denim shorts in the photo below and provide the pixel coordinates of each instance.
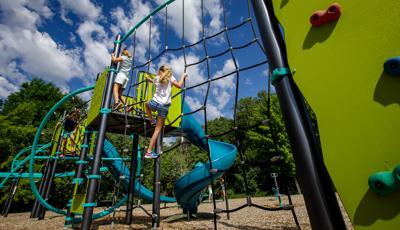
(161, 109)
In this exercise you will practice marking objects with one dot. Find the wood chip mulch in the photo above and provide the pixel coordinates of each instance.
(172, 218)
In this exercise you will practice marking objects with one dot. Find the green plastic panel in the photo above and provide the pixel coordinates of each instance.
(55, 138)
(97, 97)
(340, 72)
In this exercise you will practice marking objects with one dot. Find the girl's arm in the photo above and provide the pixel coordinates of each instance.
(180, 83)
(115, 59)
(148, 78)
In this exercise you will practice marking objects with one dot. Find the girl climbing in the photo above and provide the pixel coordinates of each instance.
(160, 102)
(121, 80)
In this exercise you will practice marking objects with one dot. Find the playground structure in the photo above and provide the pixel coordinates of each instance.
(283, 42)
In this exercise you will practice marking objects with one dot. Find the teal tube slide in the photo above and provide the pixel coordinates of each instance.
(118, 168)
(189, 187)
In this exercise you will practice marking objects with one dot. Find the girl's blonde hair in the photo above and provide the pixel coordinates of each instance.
(165, 74)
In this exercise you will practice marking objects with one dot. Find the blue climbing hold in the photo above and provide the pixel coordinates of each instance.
(392, 66)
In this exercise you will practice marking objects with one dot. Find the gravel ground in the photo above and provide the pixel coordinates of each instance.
(172, 218)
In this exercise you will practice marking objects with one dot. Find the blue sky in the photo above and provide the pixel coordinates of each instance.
(68, 42)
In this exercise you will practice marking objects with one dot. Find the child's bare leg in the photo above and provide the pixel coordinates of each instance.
(121, 99)
(148, 111)
(115, 93)
(160, 123)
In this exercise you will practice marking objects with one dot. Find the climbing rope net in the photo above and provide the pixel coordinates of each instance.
(227, 44)
(233, 45)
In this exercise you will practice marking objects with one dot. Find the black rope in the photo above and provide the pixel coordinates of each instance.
(205, 115)
(167, 48)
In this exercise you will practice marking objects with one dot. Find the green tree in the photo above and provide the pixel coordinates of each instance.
(20, 116)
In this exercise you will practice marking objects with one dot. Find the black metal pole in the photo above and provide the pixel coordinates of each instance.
(132, 179)
(45, 185)
(292, 210)
(94, 177)
(47, 189)
(49, 177)
(46, 181)
(155, 220)
(226, 198)
(36, 204)
(321, 203)
(78, 177)
(13, 190)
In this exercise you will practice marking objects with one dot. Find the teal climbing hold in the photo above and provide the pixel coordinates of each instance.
(385, 183)
(279, 73)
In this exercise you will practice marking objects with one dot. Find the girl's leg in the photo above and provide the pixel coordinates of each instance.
(160, 124)
(148, 111)
(115, 93)
(121, 99)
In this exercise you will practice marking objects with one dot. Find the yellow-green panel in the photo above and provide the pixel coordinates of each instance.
(92, 145)
(55, 138)
(97, 97)
(340, 72)
(77, 203)
(78, 139)
(145, 91)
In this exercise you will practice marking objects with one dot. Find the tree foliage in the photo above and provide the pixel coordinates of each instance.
(20, 115)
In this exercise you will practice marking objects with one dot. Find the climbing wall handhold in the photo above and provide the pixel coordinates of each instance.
(385, 183)
(392, 66)
(322, 17)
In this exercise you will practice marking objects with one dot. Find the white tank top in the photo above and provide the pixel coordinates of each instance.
(163, 91)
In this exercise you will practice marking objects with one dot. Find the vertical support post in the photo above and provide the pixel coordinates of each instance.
(78, 177)
(94, 177)
(36, 204)
(226, 198)
(321, 202)
(49, 177)
(293, 211)
(155, 220)
(10, 196)
(47, 188)
(132, 179)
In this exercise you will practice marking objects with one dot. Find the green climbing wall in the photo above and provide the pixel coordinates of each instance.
(95, 103)
(340, 72)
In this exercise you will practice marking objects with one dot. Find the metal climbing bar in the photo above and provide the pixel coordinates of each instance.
(93, 183)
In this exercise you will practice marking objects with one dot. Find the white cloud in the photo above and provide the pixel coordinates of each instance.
(193, 103)
(40, 7)
(96, 42)
(214, 10)
(247, 81)
(23, 13)
(212, 110)
(126, 19)
(6, 87)
(39, 55)
(84, 9)
(224, 88)
(196, 75)
(192, 20)
(28, 52)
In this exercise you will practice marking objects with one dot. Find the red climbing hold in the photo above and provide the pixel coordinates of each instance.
(322, 17)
